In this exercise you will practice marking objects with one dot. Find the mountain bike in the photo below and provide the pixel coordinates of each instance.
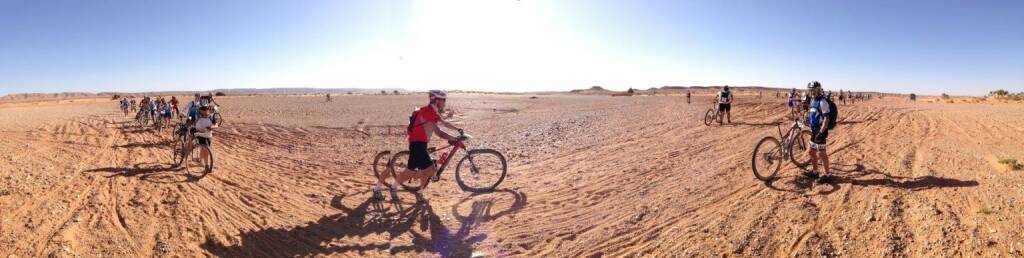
(712, 116)
(769, 153)
(216, 115)
(142, 118)
(190, 157)
(480, 170)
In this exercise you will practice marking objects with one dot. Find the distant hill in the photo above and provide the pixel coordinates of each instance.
(596, 90)
(229, 92)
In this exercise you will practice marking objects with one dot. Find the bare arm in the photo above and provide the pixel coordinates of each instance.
(449, 125)
(438, 132)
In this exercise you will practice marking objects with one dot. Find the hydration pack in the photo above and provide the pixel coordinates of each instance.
(833, 113)
(412, 121)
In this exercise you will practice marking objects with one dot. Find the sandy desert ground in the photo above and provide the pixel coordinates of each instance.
(589, 176)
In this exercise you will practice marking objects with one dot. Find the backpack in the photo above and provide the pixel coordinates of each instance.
(412, 121)
(833, 113)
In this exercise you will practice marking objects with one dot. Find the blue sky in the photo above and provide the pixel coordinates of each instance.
(957, 47)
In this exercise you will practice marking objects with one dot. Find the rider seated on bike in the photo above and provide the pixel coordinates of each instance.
(420, 165)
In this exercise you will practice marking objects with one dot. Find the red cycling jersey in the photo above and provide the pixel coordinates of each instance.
(425, 115)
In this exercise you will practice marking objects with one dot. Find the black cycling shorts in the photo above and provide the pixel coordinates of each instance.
(818, 138)
(204, 141)
(419, 157)
(723, 107)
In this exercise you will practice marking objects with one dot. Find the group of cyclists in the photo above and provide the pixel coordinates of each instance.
(199, 120)
(155, 108)
(812, 109)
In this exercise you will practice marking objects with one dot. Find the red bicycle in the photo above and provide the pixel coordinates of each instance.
(480, 170)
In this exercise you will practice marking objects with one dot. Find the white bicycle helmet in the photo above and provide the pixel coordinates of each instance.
(438, 94)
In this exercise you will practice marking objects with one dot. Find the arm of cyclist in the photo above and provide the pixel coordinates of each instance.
(439, 133)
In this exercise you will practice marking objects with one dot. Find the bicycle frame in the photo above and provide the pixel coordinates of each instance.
(444, 163)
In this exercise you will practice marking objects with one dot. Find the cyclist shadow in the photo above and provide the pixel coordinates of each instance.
(328, 234)
(152, 172)
(856, 174)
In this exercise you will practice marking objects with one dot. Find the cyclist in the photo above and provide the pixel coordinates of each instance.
(124, 106)
(143, 105)
(687, 97)
(166, 114)
(791, 103)
(420, 166)
(724, 103)
(203, 131)
(193, 108)
(153, 109)
(174, 106)
(133, 104)
(818, 121)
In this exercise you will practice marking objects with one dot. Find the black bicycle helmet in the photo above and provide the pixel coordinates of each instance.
(813, 86)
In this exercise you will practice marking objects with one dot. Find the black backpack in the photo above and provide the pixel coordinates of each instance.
(412, 121)
(832, 114)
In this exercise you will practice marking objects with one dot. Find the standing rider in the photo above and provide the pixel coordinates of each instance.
(193, 108)
(420, 165)
(174, 106)
(818, 120)
(724, 103)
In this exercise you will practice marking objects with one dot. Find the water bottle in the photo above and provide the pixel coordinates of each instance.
(443, 156)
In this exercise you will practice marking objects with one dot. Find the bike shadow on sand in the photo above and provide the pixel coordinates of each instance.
(754, 124)
(165, 144)
(860, 175)
(151, 172)
(331, 234)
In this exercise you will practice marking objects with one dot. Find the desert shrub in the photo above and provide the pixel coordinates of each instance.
(348, 93)
(999, 93)
(945, 96)
(115, 97)
(630, 91)
(395, 92)
(220, 94)
(1012, 163)
(985, 210)
(383, 92)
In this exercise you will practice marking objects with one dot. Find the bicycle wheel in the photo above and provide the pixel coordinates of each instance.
(798, 149)
(380, 165)
(484, 169)
(397, 164)
(216, 116)
(196, 166)
(767, 158)
(178, 151)
(709, 117)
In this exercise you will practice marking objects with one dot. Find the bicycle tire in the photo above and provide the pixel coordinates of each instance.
(709, 117)
(398, 163)
(477, 155)
(217, 117)
(798, 149)
(770, 158)
(201, 169)
(178, 149)
(379, 167)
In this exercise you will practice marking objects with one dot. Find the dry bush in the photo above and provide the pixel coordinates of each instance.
(1012, 163)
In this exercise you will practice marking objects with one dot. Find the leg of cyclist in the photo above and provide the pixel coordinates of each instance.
(728, 114)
